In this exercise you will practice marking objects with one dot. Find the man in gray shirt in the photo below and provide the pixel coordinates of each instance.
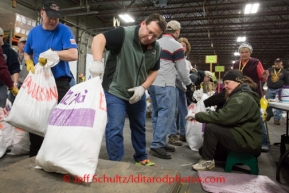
(163, 89)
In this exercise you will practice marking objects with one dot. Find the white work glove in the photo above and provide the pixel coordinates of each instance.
(49, 58)
(138, 92)
(190, 116)
(96, 68)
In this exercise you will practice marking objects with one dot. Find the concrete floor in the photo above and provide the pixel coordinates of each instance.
(183, 158)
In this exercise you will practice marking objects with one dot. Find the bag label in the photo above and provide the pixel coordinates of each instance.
(70, 97)
(39, 93)
(72, 117)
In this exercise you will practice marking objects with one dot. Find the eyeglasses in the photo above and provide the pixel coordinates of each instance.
(150, 33)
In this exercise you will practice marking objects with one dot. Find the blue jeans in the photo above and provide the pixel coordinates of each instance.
(163, 101)
(181, 113)
(117, 109)
(271, 94)
(72, 82)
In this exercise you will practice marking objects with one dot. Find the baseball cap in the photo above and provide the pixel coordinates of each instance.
(278, 60)
(173, 25)
(51, 9)
(1, 32)
(209, 74)
(23, 39)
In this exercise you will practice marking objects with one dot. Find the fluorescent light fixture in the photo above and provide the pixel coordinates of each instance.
(236, 54)
(248, 8)
(127, 18)
(255, 8)
(233, 62)
(251, 8)
(241, 39)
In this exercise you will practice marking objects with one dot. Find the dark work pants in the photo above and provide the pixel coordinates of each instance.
(221, 152)
(216, 135)
(62, 85)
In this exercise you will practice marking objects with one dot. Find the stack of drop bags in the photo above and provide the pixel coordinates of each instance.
(72, 130)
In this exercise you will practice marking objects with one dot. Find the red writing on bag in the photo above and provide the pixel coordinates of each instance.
(101, 102)
(38, 92)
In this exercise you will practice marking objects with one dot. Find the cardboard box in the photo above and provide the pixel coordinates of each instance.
(19, 24)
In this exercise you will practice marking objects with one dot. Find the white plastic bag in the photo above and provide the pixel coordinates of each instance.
(194, 129)
(21, 143)
(6, 132)
(36, 98)
(74, 134)
(3, 147)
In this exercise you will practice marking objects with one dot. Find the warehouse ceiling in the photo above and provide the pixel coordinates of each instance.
(211, 26)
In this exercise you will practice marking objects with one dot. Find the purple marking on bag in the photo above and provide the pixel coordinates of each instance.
(203, 127)
(72, 117)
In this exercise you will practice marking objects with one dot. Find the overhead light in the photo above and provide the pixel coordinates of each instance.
(233, 62)
(241, 39)
(255, 8)
(127, 18)
(251, 8)
(236, 54)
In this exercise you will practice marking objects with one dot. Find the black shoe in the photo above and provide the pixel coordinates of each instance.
(169, 148)
(161, 153)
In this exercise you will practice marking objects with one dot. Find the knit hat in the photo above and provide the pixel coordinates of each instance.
(173, 25)
(234, 75)
(246, 45)
(51, 9)
(1, 32)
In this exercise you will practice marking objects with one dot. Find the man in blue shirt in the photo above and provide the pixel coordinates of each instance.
(58, 37)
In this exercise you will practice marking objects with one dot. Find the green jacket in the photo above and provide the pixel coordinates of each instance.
(130, 67)
(241, 115)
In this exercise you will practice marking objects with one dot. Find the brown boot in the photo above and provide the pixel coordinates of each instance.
(276, 122)
(174, 140)
(183, 138)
